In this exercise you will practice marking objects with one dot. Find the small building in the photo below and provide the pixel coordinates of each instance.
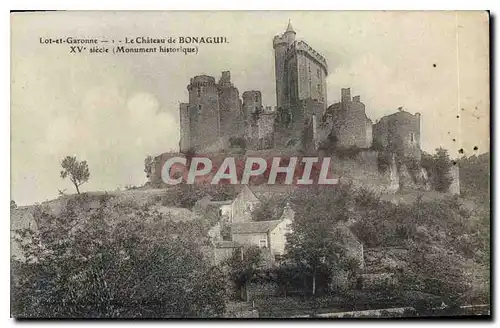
(252, 196)
(269, 235)
(236, 229)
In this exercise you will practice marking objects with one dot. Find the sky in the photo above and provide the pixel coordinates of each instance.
(114, 110)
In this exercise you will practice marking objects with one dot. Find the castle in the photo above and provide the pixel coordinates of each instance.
(215, 118)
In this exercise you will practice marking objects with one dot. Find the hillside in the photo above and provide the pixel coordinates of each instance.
(120, 206)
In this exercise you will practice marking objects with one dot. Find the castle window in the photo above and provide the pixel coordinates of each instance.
(412, 137)
(319, 73)
(248, 208)
(198, 91)
(319, 88)
(263, 243)
(199, 109)
(256, 98)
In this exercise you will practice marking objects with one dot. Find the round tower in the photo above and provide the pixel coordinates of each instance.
(280, 45)
(203, 111)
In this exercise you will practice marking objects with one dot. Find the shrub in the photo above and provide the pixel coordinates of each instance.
(384, 160)
(438, 167)
(78, 264)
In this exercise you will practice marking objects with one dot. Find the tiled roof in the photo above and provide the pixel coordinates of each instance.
(289, 28)
(254, 227)
(267, 191)
(227, 244)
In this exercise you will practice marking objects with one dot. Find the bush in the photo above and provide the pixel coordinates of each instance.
(384, 160)
(347, 153)
(81, 264)
(438, 167)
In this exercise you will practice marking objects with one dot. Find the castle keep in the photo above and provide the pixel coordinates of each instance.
(216, 118)
(300, 76)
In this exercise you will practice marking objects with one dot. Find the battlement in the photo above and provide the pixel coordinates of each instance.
(302, 46)
(250, 94)
(201, 80)
(279, 40)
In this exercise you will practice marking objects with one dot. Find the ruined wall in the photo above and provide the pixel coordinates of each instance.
(380, 132)
(311, 107)
(252, 102)
(231, 118)
(400, 133)
(363, 171)
(266, 130)
(350, 125)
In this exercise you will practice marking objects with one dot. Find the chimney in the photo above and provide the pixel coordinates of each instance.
(356, 99)
(346, 95)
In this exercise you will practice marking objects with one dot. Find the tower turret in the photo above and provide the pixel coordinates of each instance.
(280, 45)
(289, 34)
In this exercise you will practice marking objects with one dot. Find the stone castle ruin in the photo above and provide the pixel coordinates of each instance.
(216, 119)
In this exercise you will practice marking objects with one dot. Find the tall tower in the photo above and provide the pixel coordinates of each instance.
(231, 120)
(203, 112)
(280, 45)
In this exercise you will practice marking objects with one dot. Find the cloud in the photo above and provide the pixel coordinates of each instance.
(110, 122)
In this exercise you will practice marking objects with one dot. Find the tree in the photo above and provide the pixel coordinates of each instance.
(314, 244)
(269, 209)
(438, 167)
(442, 164)
(243, 264)
(437, 271)
(78, 172)
(148, 166)
(89, 264)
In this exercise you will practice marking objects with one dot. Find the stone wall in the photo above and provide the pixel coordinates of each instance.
(348, 122)
(363, 171)
(231, 118)
(400, 133)
(252, 102)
